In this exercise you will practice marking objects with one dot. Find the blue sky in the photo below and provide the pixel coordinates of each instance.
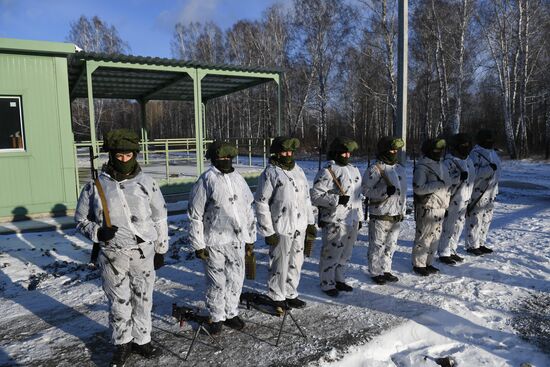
(145, 24)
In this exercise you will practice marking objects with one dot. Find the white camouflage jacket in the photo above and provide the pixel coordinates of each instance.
(485, 178)
(283, 204)
(325, 194)
(136, 206)
(431, 184)
(374, 187)
(220, 210)
(461, 191)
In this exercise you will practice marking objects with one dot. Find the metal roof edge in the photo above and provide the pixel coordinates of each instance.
(13, 45)
(80, 56)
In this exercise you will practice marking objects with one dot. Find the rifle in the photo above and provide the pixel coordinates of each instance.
(184, 313)
(261, 302)
(95, 248)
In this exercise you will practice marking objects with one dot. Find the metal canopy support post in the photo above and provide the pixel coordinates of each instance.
(197, 100)
(402, 68)
(279, 106)
(204, 130)
(144, 132)
(90, 68)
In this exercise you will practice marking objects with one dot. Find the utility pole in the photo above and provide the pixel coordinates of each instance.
(402, 68)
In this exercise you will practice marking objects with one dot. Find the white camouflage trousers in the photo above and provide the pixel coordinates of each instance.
(477, 224)
(452, 228)
(224, 270)
(285, 264)
(130, 294)
(338, 241)
(426, 238)
(382, 242)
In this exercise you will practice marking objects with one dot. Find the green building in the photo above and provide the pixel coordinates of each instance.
(38, 82)
(37, 163)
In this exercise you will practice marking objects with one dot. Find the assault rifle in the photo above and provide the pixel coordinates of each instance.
(183, 314)
(264, 304)
(95, 248)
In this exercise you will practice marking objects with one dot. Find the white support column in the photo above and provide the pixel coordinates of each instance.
(402, 69)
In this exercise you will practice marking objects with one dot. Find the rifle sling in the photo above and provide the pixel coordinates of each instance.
(103, 202)
(340, 188)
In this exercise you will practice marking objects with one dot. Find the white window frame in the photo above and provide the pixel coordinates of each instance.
(21, 125)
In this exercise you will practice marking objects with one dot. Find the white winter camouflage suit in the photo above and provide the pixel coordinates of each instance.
(383, 233)
(481, 215)
(431, 184)
(461, 192)
(222, 221)
(283, 206)
(136, 206)
(340, 223)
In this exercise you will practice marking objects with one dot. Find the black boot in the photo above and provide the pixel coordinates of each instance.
(379, 279)
(390, 277)
(457, 258)
(235, 323)
(145, 350)
(121, 354)
(421, 271)
(295, 303)
(474, 251)
(447, 260)
(214, 328)
(341, 286)
(485, 250)
(432, 269)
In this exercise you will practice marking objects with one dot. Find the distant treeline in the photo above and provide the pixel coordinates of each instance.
(472, 64)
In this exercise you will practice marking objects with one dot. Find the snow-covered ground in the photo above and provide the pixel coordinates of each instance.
(488, 311)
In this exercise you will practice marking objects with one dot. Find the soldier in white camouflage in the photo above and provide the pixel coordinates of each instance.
(385, 186)
(480, 209)
(131, 247)
(337, 193)
(431, 185)
(285, 218)
(462, 173)
(222, 224)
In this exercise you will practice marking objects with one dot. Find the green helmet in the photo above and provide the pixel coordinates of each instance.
(387, 143)
(122, 140)
(284, 144)
(342, 144)
(221, 148)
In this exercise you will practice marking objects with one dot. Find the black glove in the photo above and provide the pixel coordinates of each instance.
(248, 248)
(463, 176)
(493, 166)
(311, 231)
(272, 240)
(360, 225)
(343, 200)
(390, 190)
(202, 254)
(158, 261)
(105, 234)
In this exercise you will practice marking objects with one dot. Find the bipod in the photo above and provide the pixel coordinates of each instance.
(266, 305)
(183, 314)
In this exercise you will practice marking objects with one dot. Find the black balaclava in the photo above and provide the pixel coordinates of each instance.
(387, 143)
(485, 139)
(283, 144)
(338, 146)
(222, 149)
(434, 148)
(121, 141)
(460, 145)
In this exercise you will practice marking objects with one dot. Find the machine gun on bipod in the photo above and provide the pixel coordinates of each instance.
(186, 314)
(266, 305)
